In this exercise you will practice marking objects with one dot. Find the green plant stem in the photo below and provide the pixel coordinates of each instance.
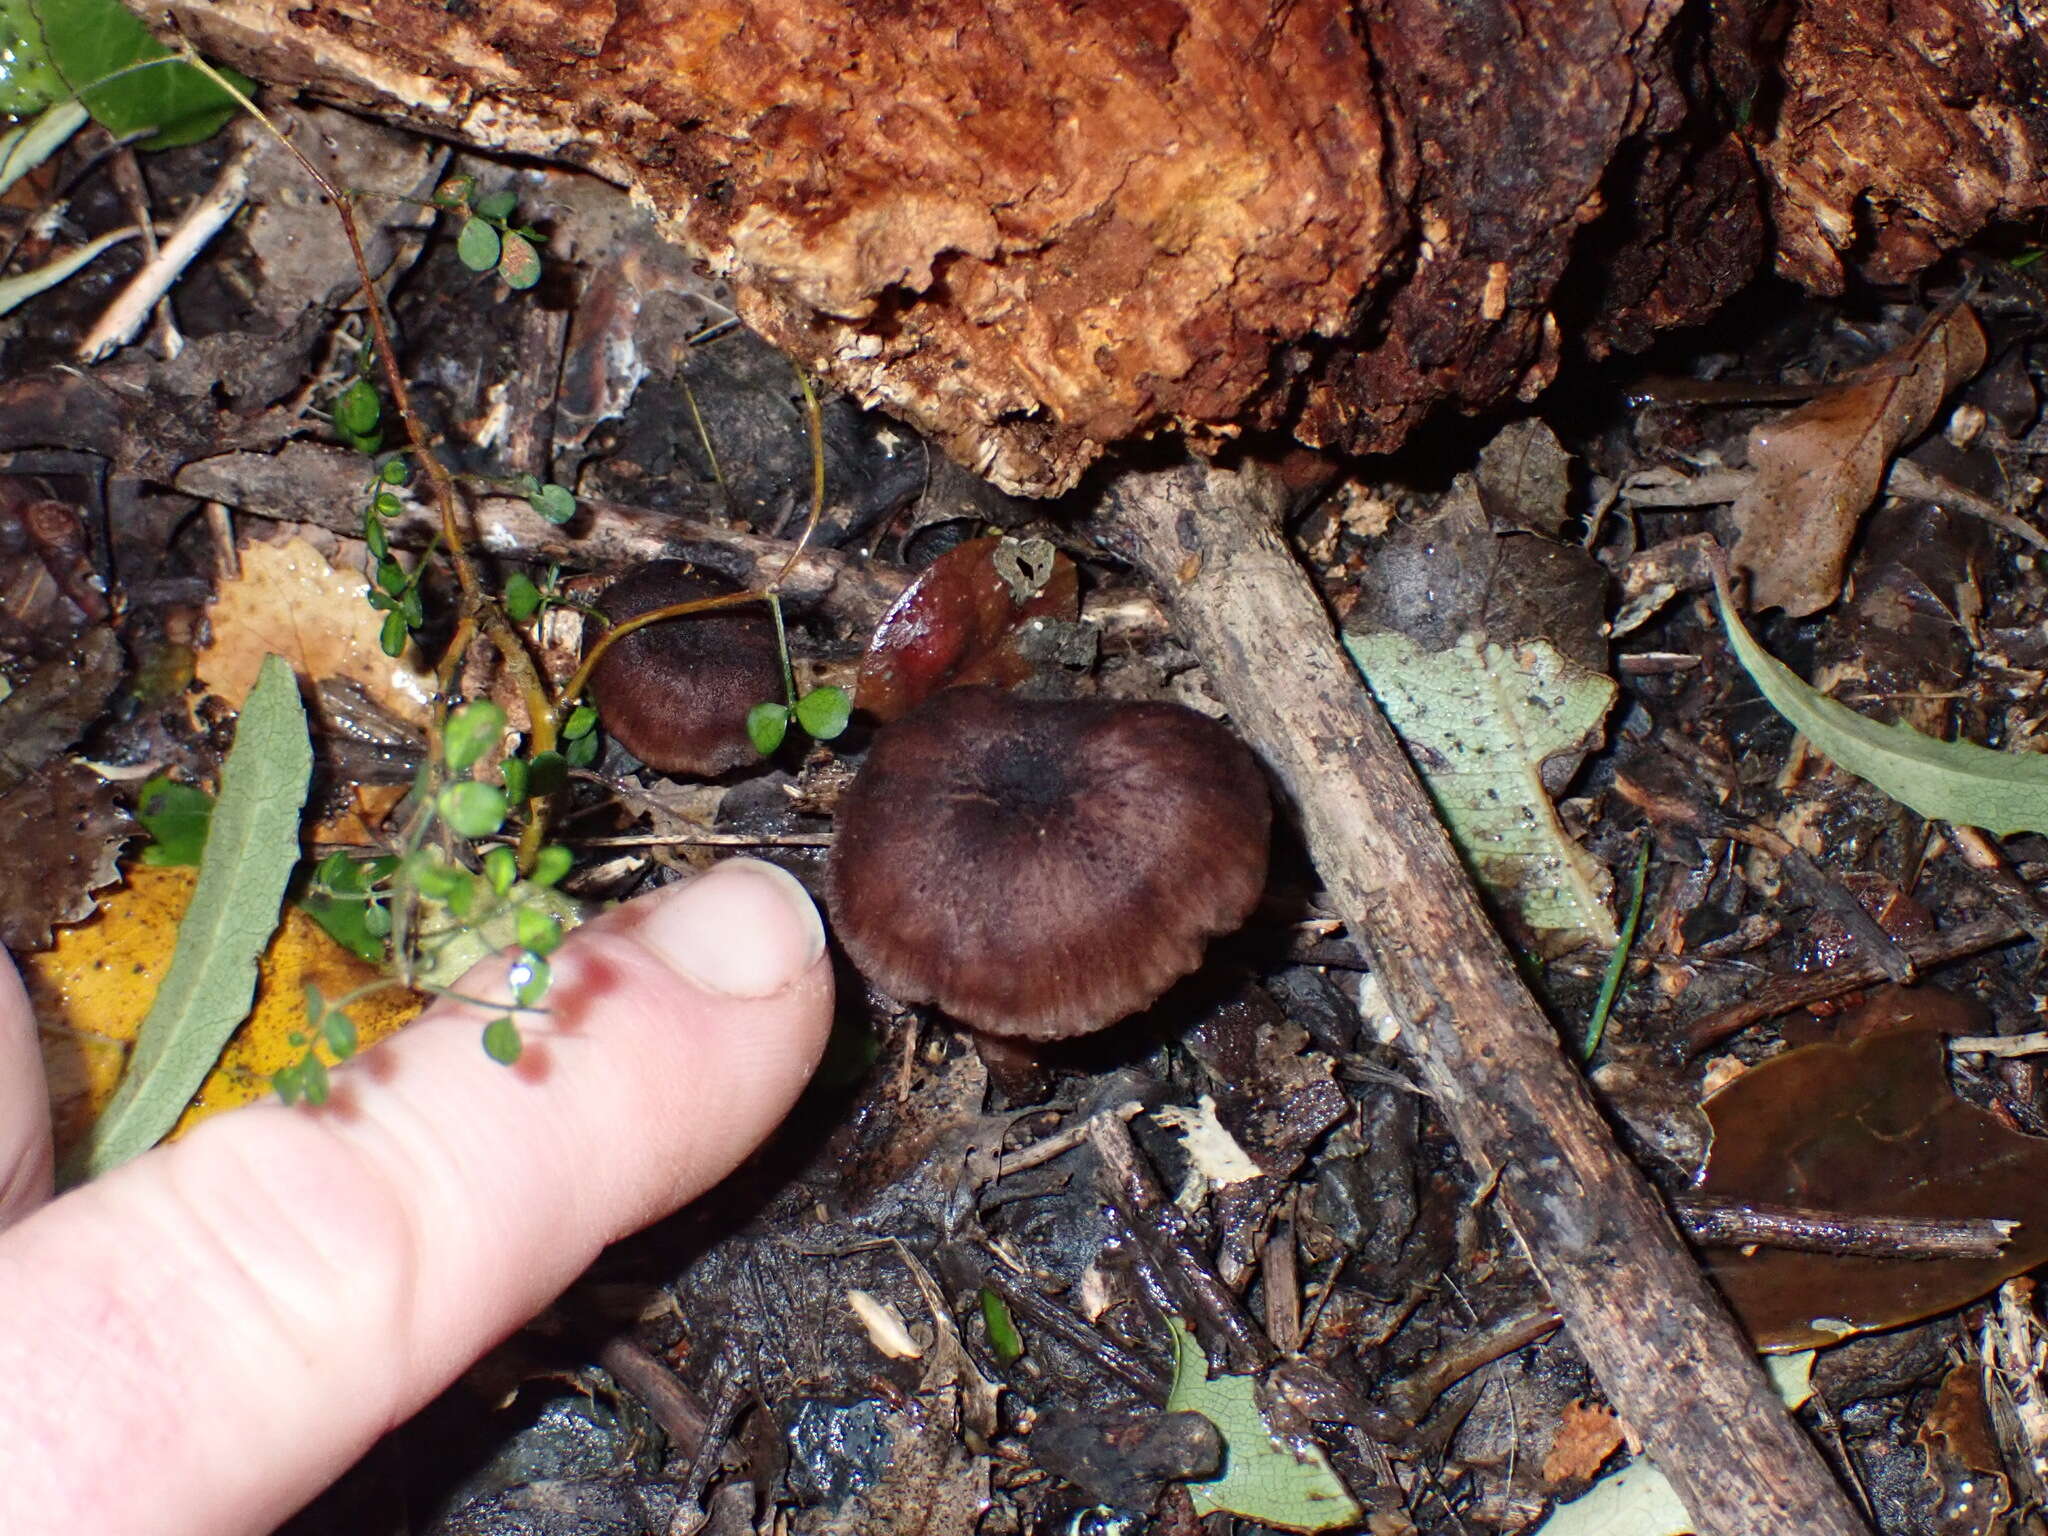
(476, 602)
(580, 680)
(1617, 963)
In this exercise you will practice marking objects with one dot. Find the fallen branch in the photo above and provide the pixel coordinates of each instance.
(1664, 1348)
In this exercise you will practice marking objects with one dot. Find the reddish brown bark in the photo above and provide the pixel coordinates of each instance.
(1035, 229)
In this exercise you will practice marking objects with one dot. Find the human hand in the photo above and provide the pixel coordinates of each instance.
(206, 1337)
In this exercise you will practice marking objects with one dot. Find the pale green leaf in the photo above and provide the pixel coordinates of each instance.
(1479, 724)
(1261, 1480)
(478, 246)
(251, 846)
(17, 290)
(1959, 781)
(27, 145)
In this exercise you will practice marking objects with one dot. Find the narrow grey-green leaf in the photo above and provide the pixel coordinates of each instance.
(17, 290)
(251, 846)
(1959, 781)
(27, 145)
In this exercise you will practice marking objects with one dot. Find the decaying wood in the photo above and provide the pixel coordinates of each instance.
(1033, 230)
(1906, 127)
(1665, 1349)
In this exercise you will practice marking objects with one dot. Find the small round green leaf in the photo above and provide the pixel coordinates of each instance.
(501, 1040)
(432, 874)
(496, 205)
(375, 537)
(392, 636)
(581, 722)
(472, 809)
(357, 410)
(285, 1082)
(391, 576)
(501, 868)
(556, 503)
(551, 864)
(471, 731)
(313, 1079)
(582, 752)
(522, 597)
(395, 472)
(767, 724)
(537, 931)
(478, 246)
(519, 262)
(339, 1031)
(462, 899)
(514, 774)
(376, 919)
(824, 712)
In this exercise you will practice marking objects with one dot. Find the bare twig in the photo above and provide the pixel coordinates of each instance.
(202, 221)
(1723, 1223)
(2033, 1044)
(1037, 1310)
(1160, 1230)
(1413, 1398)
(674, 1406)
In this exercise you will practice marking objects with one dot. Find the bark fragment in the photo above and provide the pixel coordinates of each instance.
(1036, 230)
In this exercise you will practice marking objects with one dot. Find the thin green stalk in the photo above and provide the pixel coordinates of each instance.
(1617, 964)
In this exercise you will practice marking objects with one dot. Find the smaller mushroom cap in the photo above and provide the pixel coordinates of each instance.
(1045, 868)
(676, 693)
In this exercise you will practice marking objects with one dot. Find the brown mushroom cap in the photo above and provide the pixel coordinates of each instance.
(676, 693)
(1044, 868)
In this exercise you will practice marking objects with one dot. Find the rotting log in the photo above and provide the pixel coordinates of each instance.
(1664, 1348)
(1033, 230)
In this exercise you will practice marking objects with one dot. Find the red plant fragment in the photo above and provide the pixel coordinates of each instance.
(962, 622)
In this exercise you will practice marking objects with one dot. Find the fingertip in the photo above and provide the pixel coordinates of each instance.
(745, 929)
(26, 1162)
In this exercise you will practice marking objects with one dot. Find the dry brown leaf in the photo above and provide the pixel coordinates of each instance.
(1871, 1127)
(1818, 469)
(61, 830)
(1587, 1434)
(291, 601)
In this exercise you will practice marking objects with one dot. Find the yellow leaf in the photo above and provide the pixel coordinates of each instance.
(93, 987)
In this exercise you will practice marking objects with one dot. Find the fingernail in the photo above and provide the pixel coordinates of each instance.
(745, 929)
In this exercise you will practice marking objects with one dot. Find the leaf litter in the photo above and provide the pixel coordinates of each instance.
(1343, 1246)
(1818, 468)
